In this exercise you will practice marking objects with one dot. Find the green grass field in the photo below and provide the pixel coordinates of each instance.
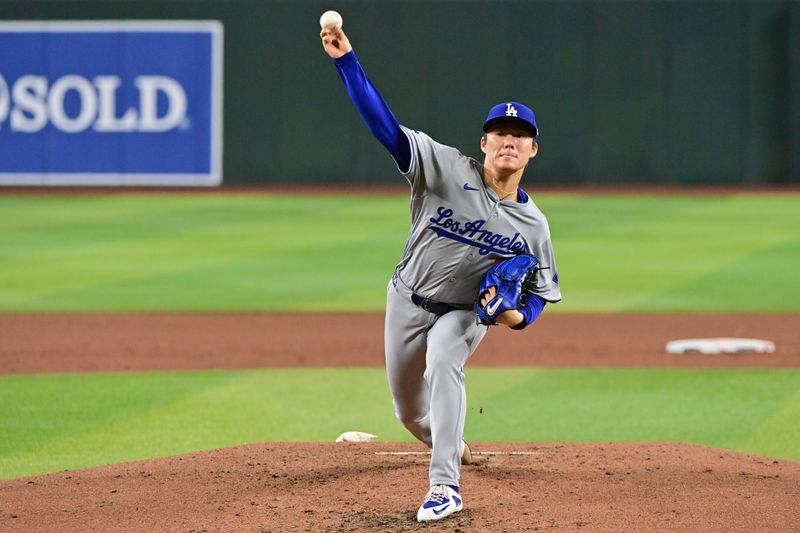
(55, 422)
(259, 252)
(240, 252)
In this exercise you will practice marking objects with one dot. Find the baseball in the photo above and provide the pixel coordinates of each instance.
(330, 19)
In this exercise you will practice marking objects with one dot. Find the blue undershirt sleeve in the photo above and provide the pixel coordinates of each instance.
(373, 110)
(531, 308)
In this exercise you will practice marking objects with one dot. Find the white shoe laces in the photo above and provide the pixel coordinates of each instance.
(437, 494)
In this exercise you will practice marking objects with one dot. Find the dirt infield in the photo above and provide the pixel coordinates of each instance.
(113, 342)
(349, 487)
(329, 487)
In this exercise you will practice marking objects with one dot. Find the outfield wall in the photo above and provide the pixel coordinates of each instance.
(679, 92)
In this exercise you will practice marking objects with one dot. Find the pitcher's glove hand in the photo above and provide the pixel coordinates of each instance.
(511, 278)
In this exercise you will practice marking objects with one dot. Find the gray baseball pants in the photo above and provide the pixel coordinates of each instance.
(425, 358)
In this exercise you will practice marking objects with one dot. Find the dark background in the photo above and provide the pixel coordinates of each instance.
(626, 92)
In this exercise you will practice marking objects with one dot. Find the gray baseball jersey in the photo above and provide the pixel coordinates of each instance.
(459, 228)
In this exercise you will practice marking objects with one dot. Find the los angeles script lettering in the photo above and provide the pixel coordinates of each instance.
(474, 234)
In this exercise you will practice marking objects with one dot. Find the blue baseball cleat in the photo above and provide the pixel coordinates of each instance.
(440, 502)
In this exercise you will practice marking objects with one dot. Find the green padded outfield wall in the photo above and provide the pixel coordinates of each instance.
(663, 92)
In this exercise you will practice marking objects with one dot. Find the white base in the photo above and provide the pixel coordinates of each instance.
(356, 436)
(720, 345)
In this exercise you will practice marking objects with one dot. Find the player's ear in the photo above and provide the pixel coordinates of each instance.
(534, 149)
(483, 143)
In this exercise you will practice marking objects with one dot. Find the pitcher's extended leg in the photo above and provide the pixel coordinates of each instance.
(405, 340)
(451, 341)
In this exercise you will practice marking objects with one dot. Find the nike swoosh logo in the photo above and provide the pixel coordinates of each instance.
(468, 188)
(440, 511)
(490, 309)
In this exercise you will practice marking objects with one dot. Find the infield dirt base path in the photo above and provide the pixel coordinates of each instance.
(35, 343)
(276, 487)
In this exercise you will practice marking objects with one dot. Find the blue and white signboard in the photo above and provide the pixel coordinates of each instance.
(111, 103)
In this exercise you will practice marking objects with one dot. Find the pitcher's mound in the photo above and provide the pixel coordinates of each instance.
(369, 487)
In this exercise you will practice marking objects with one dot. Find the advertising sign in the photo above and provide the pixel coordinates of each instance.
(111, 103)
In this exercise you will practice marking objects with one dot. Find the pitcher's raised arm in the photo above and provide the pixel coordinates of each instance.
(371, 106)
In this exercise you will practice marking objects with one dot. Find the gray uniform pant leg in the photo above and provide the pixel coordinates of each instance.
(425, 358)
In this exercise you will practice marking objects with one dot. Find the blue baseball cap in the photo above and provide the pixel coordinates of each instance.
(515, 112)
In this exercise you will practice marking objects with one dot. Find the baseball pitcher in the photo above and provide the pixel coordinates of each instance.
(478, 253)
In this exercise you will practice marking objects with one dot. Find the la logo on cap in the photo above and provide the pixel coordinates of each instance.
(511, 111)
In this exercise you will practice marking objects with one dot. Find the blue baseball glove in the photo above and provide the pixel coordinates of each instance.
(511, 278)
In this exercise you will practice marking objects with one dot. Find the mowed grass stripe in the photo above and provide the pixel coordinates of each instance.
(201, 253)
(717, 407)
(97, 419)
(762, 273)
(36, 410)
(646, 254)
(781, 431)
(303, 253)
(225, 409)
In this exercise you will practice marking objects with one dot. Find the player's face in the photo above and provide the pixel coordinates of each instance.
(508, 148)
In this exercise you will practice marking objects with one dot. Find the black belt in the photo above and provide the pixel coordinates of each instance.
(432, 306)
